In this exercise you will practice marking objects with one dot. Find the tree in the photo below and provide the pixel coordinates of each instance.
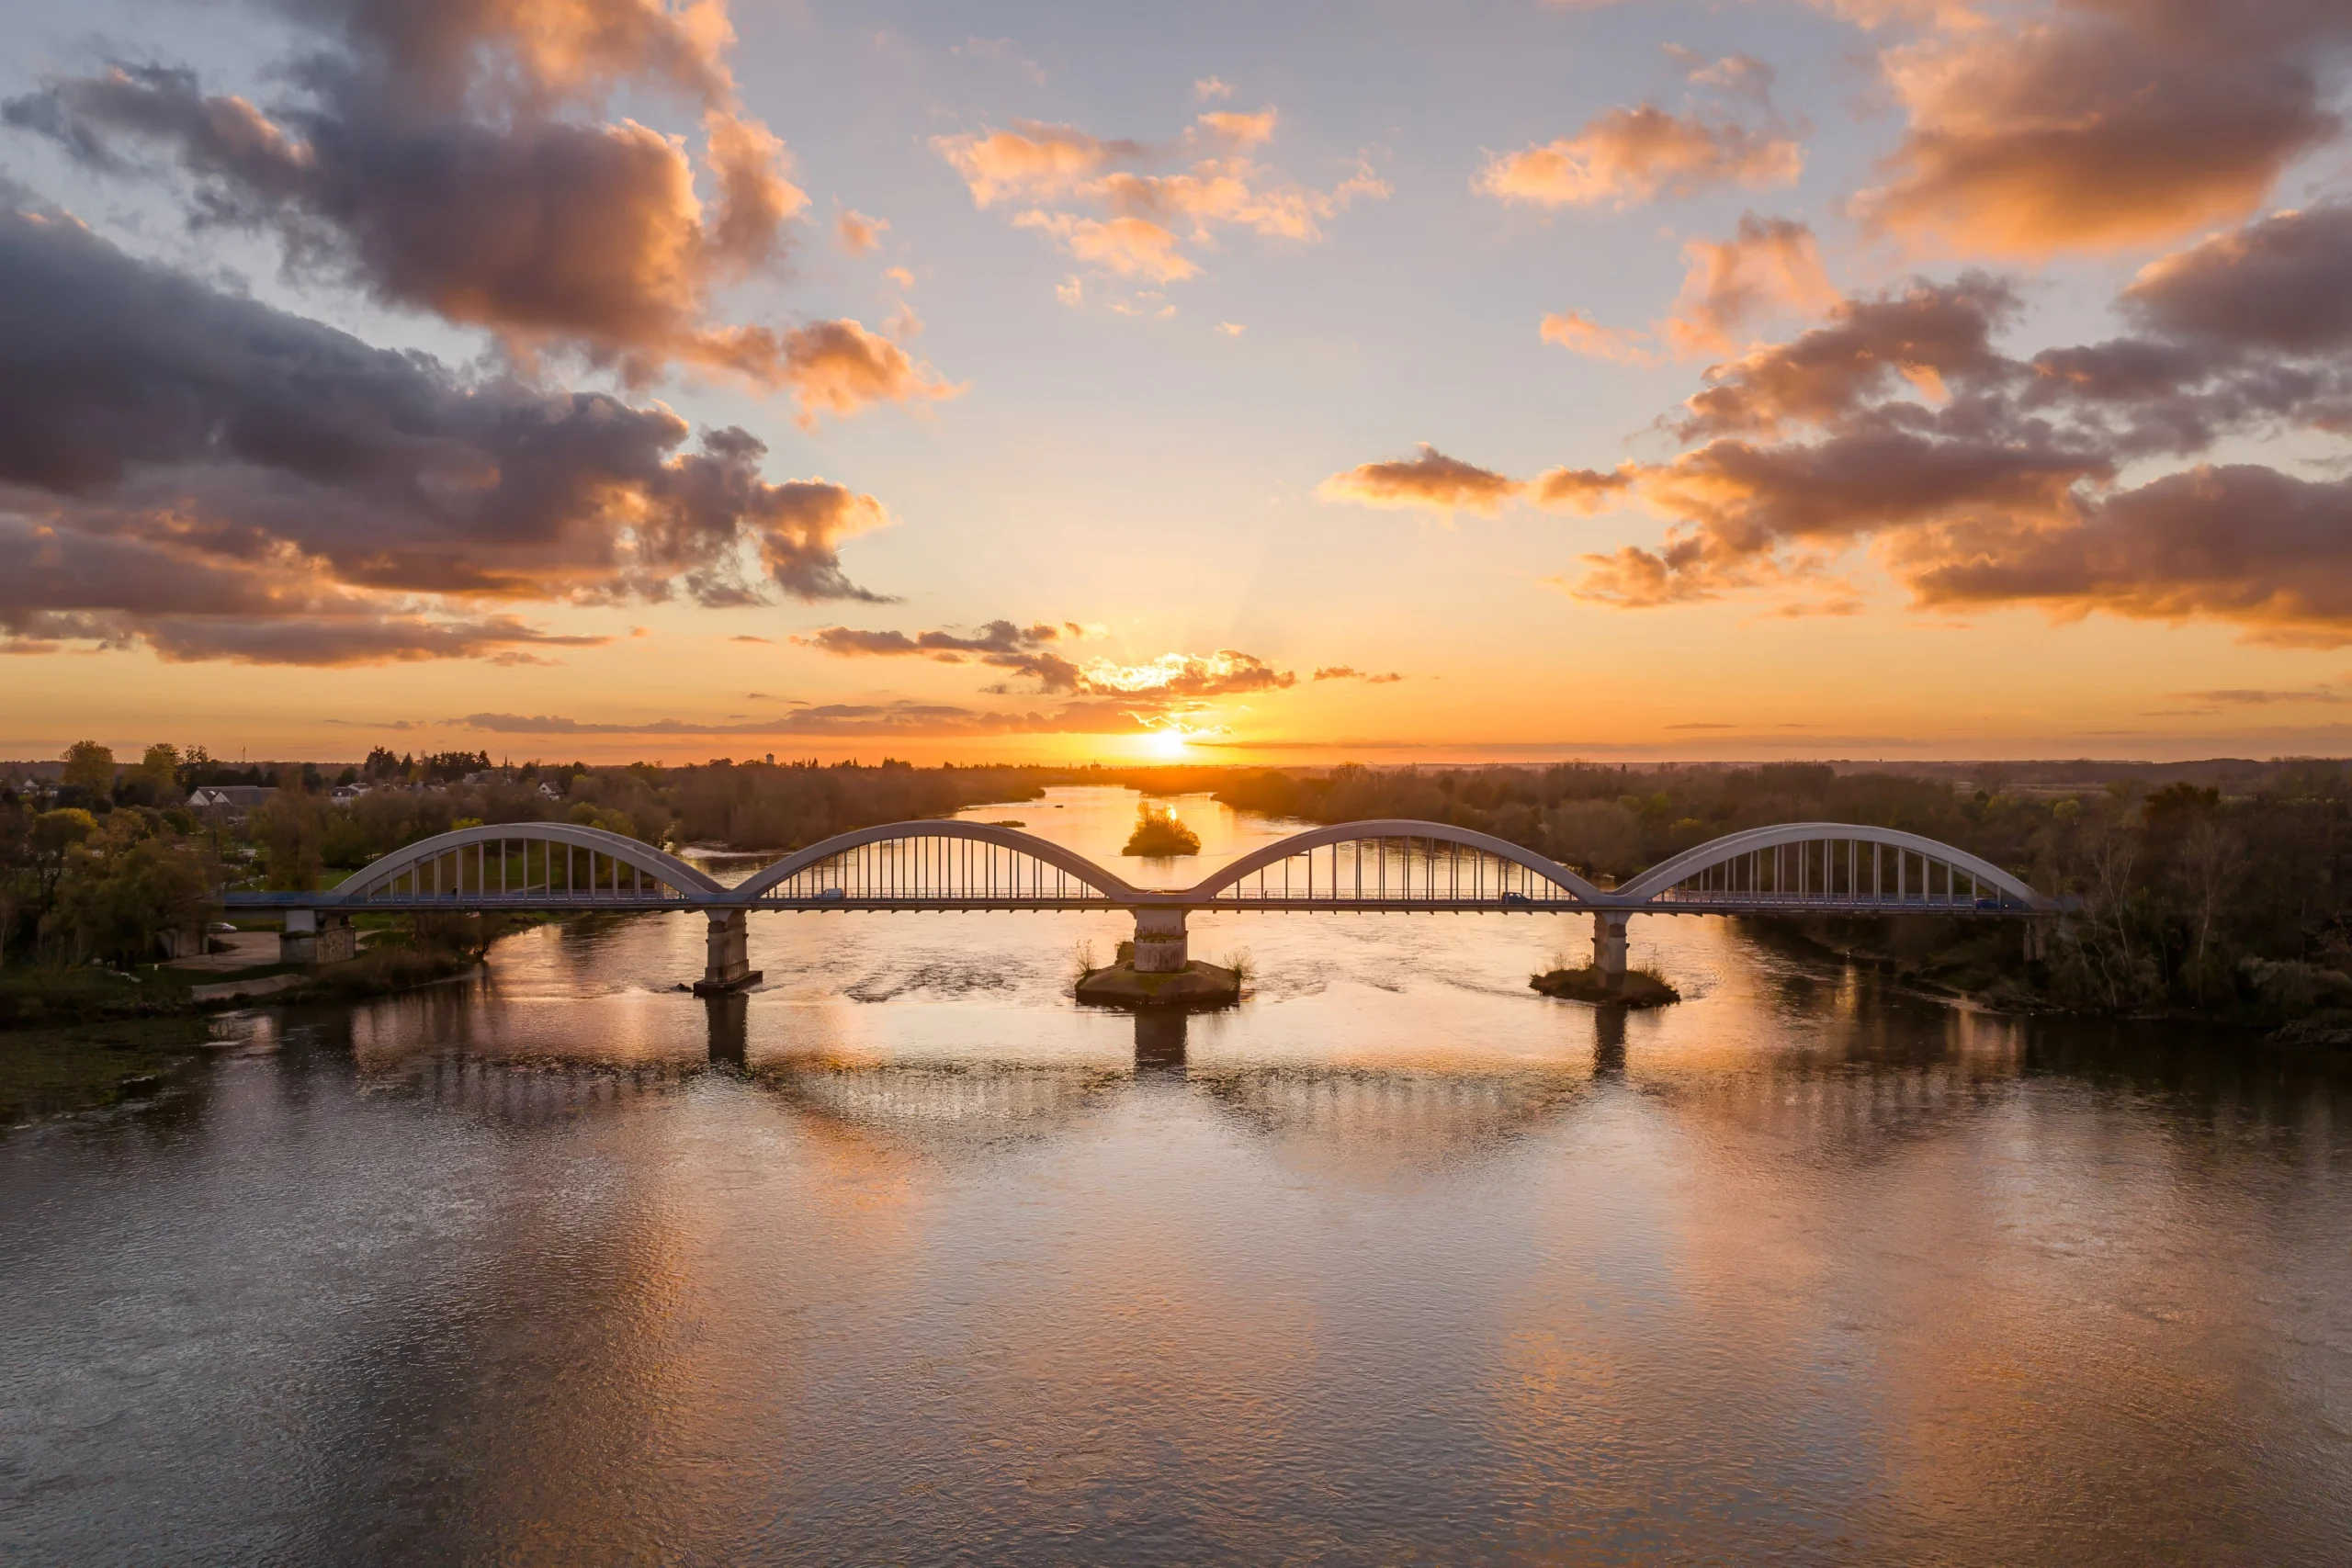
(291, 834)
(55, 834)
(16, 866)
(89, 767)
(114, 899)
(154, 781)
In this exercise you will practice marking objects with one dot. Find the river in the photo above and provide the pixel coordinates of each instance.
(905, 1258)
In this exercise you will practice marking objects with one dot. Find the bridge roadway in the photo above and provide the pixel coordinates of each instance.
(1387, 867)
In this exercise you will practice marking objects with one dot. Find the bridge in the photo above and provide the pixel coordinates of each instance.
(1391, 867)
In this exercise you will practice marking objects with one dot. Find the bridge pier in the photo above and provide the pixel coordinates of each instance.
(727, 964)
(310, 936)
(1160, 947)
(1608, 947)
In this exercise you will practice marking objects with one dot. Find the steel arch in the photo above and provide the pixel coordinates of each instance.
(1115, 888)
(1642, 892)
(658, 863)
(1392, 828)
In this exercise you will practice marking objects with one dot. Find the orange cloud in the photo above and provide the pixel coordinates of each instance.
(1431, 482)
(841, 368)
(1128, 247)
(2102, 124)
(1586, 491)
(1226, 672)
(1236, 130)
(756, 196)
(1770, 265)
(1635, 155)
(1578, 333)
(859, 234)
(1032, 161)
(1125, 222)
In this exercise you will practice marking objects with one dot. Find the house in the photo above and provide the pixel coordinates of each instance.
(236, 799)
(346, 793)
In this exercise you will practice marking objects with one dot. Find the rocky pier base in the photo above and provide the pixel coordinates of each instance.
(1197, 985)
(1632, 989)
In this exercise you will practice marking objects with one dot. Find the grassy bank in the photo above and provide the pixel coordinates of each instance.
(42, 997)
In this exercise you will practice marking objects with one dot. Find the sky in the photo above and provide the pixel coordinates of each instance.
(1383, 382)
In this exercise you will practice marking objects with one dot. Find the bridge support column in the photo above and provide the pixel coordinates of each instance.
(312, 937)
(1160, 946)
(1608, 947)
(727, 966)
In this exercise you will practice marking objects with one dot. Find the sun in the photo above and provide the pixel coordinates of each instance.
(1165, 744)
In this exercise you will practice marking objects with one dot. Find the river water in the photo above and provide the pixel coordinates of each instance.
(905, 1258)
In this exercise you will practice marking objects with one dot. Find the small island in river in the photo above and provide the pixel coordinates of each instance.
(1158, 831)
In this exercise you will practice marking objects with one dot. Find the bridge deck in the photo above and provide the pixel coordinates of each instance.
(559, 902)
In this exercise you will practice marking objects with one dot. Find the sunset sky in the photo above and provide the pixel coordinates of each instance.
(604, 378)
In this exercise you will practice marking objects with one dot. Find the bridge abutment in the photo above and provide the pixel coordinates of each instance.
(728, 963)
(1609, 946)
(1160, 944)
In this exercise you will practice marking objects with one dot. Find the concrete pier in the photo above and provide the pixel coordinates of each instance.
(728, 962)
(310, 936)
(1608, 947)
(1160, 946)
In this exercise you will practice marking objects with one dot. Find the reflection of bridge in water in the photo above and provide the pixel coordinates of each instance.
(1399, 867)
(1434, 1113)
(1415, 1114)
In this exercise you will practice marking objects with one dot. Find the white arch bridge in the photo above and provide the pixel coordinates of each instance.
(1810, 868)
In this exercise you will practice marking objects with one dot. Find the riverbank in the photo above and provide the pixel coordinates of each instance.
(2295, 1007)
(65, 999)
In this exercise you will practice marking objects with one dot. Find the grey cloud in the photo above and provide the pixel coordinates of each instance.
(1000, 645)
(2280, 284)
(153, 405)
(2243, 544)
